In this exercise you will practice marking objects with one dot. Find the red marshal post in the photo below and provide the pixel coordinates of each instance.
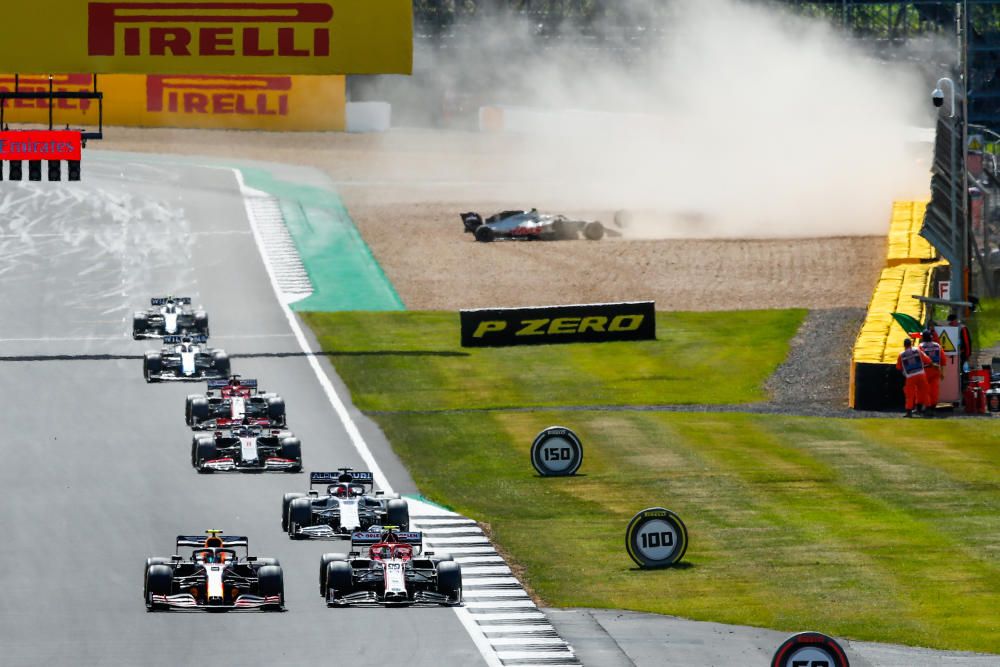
(41, 145)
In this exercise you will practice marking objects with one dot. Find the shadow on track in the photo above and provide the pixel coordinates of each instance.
(247, 355)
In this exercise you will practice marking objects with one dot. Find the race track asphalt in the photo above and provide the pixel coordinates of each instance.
(96, 474)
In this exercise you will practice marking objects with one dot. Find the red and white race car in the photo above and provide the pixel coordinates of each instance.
(393, 570)
(230, 402)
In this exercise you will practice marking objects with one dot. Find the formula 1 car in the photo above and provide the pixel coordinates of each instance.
(246, 448)
(214, 577)
(350, 504)
(532, 226)
(392, 571)
(169, 316)
(185, 358)
(229, 401)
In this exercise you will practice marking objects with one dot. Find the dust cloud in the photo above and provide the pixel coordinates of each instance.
(743, 121)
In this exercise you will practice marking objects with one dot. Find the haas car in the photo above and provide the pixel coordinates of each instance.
(532, 226)
(350, 504)
(185, 358)
(169, 316)
(231, 401)
(214, 576)
(246, 447)
(392, 570)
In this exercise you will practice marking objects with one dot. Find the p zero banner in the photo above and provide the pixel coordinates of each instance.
(248, 102)
(213, 37)
(40, 145)
(595, 323)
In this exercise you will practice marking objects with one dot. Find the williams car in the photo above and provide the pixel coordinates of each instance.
(168, 316)
(185, 358)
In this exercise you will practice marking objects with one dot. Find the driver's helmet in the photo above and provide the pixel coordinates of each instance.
(343, 491)
(171, 308)
(381, 551)
(234, 381)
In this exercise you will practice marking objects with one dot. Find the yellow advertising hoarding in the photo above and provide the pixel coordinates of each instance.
(215, 37)
(245, 102)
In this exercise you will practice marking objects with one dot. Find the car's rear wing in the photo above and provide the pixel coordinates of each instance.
(228, 541)
(174, 340)
(345, 475)
(162, 300)
(375, 534)
(219, 383)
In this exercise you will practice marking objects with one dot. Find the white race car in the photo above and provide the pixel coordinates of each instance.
(185, 358)
(169, 316)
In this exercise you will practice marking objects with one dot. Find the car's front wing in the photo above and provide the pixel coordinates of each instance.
(188, 601)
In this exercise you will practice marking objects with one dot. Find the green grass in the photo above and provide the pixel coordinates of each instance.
(882, 530)
(985, 325)
(413, 361)
(877, 530)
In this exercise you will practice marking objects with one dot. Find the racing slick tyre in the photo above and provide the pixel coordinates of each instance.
(484, 234)
(299, 514)
(220, 362)
(203, 449)
(158, 560)
(198, 411)
(276, 409)
(261, 562)
(187, 408)
(271, 581)
(397, 513)
(285, 502)
(140, 324)
(339, 577)
(324, 562)
(291, 449)
(564, 231)
(593, 231)
(159, 581)
(201, 322)
(449, 580)
(152, 364)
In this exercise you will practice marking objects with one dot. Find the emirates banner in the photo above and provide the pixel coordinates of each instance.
(217, 37)
(40, 145)
(249, 102)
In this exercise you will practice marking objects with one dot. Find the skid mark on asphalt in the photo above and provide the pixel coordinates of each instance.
(497, 608)
(114, 242)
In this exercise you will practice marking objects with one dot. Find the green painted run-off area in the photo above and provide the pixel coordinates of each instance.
(341, 267)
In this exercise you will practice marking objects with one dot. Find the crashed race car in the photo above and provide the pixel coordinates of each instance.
(185, 358)
(246, 448)
(213, 576)
(349, 504)
(229, 401)
(392, 570)
(532, 226)
(169, 316)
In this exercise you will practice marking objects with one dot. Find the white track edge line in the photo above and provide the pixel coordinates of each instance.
(465, 618)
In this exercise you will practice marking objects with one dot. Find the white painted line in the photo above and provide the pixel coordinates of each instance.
(469, 550)
(533, 616)
(520, 641)
(478, 638)
(468, 540)
(489, 581)
(527, 655)
(485, 569)
(471, 627)
(331, 394)
(479, 559)
(495, 593)
(467, 530)
(501, 604)
(514, 629)
(440, 522)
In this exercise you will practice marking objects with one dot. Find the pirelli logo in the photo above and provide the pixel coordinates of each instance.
(594, 323)
(218, 95)
(223, 29)
(40, 84)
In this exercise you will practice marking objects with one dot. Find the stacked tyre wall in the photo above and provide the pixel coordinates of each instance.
(912, 268)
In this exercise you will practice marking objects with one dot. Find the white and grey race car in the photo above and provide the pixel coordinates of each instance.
(169, 316)
(531, 225)
(349, 504)
(185, 358)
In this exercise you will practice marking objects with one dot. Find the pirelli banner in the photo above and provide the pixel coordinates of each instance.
(208, 37)
(241, 102)
(594, 323)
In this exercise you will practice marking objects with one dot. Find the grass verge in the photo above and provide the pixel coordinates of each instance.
(413, 361)
(879, 530)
